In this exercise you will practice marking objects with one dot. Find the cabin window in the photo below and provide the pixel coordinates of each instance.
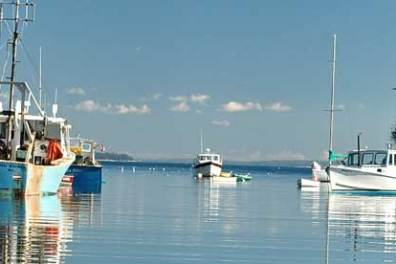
(203, 158)
(390, 160)
(53, 131)
(215, 158)
(86, 147)
(368, 158)
(380, 159)
(3, 130)
(394, 159)
(36, 125)
(353, 159)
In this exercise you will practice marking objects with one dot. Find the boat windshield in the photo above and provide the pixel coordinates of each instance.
(86, 147)
(377, 158)
(209, 158)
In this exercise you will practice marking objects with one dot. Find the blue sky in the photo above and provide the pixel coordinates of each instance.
(144, 76)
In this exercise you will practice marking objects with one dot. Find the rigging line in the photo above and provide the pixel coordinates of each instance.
(9, 31)
(34, 71)
(6, 42)
(5, 67)
(8, 57)
(8, 53)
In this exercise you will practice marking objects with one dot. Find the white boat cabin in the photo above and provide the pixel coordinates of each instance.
(208, 156)
(371, 158)
(37, 130)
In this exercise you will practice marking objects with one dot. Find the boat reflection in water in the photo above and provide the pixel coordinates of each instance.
(218, 204)
(363, 225)
(36, 229)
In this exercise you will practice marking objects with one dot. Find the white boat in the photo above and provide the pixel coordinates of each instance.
(207, 164)
(308, 183)
(369, 170)
(319, 174)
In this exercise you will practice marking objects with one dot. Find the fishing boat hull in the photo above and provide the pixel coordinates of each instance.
(348, 179)
(208, 169)
(6, 182)
(87, 178)
(36, 179)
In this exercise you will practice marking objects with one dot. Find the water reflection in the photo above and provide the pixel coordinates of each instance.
(36, 229)
(360, 228)
(217, 201)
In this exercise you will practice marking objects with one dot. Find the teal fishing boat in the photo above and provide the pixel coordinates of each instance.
(34, 147)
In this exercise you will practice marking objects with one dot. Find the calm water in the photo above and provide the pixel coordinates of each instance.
(159, 214)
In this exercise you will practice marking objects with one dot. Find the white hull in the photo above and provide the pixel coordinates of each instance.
(207, 170)
(222, 179)
(345, 178)
(308, 183)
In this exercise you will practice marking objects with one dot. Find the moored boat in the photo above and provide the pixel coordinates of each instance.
(86, 170)
(366, 170)
(207, 164)
(34, 148)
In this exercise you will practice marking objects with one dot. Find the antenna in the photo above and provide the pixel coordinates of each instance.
(333, 72)
(55, 105)
(201, 140)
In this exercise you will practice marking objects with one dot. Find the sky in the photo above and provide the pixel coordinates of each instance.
(144, 77)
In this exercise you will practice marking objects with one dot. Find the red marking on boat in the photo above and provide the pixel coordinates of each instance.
(67, 180)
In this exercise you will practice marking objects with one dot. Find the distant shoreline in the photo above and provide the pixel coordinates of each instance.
(291, 163)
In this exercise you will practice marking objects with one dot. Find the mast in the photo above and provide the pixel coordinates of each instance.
(201, 141)
(14, 43)
(15, 38)
(333, 72)
(40, 84)
(27, 16)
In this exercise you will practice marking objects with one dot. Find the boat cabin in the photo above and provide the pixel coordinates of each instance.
(84, 150)
(371, 158)
(49, 137)
(209, 156)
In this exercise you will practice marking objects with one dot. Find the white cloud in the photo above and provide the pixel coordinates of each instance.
(76, 91)
(181, 107)
(184, 102)
(92, 106)
(179, 98)
(199, 98)
(278, 107)
(153, 97)
(221, 123)
(131, 109)
(241, 107)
